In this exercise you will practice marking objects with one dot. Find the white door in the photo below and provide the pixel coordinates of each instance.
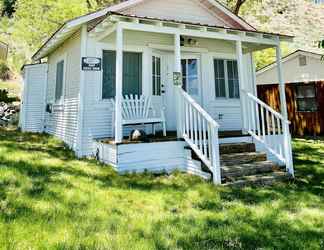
(191, 77)
(159, 74)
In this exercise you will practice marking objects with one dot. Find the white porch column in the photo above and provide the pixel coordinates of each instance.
(283, 104)
(119, 85)
(239, 57)
(177, 68)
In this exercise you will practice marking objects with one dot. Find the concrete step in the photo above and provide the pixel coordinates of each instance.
(248, 169)
(242, 158)
(232, 148)
(260, 179)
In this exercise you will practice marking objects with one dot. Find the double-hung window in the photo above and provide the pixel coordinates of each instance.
(132, 74)
(59, 81)
(306, 98)
(226, 79)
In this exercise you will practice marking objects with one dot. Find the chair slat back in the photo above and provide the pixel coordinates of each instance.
(135, 107)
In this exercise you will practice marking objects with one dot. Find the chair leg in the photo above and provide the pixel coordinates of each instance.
(164, 129)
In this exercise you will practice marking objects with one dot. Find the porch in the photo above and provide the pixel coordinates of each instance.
(182, 81)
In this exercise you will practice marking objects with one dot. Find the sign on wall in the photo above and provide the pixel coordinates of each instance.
(177, 78)
(91, 64)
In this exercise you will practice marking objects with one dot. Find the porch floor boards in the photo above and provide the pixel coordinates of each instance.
(171, 136)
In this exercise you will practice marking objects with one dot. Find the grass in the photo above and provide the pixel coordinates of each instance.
(50, 200)
(14, 88)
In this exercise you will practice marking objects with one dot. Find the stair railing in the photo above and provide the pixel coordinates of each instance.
(200, 131)
(270, 128)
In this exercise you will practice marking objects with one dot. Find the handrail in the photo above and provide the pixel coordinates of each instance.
(266, 106)
(200, 131)
(199, 108)
(268, 127)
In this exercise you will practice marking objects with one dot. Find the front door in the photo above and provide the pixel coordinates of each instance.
(191, 77)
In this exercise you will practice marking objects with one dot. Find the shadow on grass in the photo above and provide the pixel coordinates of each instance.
(239, 229)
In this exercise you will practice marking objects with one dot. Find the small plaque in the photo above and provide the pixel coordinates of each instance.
(177, 78)
(91, 64)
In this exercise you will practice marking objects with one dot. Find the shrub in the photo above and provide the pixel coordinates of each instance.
(4, 71)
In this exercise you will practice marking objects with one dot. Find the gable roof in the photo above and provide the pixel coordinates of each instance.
(71, 26)
(290, 56)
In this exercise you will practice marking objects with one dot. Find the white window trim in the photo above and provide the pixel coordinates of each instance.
(225, 57)
(101, 47)
(59, 59)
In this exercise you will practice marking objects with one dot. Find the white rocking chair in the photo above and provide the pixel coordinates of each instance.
(139, 110)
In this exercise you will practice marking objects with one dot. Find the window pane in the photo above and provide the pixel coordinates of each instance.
(59, 80)
(156, 75)
(184, 73)
(233, 81)
(109, 73)
(307, 105)
(220, 84)
(305, 91)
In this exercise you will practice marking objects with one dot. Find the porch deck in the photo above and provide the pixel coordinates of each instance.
(171, 136)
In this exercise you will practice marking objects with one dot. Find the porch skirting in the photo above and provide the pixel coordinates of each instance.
(153, 157)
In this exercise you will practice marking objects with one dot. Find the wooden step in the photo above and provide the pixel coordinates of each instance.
(242, 158)
(231, 148)
(248, 169)
(260, 179)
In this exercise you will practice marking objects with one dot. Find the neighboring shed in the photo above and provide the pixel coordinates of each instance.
(304, 77)
(3, 51)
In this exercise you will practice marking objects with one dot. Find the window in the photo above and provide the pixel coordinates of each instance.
(156, 75)
(306, 98)
(190, 77)
(59, 80)
(302, 61)
(226, 79)
(318, 1)
(132, 74)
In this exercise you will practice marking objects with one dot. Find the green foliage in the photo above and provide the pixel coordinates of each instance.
(5, 72)
(4, 97)
(7, 8)
(51, 200)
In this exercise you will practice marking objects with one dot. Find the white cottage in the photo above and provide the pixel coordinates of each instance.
(184, 67)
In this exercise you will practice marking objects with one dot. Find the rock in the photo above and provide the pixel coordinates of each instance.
(137, 135)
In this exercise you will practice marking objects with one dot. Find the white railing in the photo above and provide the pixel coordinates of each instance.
(200, 131)
(269, 128)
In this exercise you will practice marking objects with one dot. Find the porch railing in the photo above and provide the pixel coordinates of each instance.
(200, 131)
(270, 128)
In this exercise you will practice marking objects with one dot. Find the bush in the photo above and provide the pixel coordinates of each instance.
(5, 72)
(4, 97)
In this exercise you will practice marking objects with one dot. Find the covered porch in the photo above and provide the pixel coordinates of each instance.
(196, 91)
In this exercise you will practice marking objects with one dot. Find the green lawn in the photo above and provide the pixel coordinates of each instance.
(14, 88)
(50, 200)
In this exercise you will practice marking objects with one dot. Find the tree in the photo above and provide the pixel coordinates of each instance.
(7, 8)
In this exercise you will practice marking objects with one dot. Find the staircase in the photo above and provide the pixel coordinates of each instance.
(240, 165)
(235, 164)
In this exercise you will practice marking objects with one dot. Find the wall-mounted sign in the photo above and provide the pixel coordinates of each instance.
(91, 64)
(177, 78)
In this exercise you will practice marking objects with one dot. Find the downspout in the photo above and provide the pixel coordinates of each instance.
(80, 130)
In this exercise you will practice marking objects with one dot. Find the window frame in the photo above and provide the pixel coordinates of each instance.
(303, 98)
(57, 61)
(226, 78)
(132, 49)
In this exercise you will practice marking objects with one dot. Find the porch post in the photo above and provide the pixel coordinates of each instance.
(239, 57)
(119, 85)
(177, 68)
(283, 104)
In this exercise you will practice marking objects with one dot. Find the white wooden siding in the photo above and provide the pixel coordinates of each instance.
(62, 122)
(293, 72)
(151, 156)
(180, 10)
(33, 107)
